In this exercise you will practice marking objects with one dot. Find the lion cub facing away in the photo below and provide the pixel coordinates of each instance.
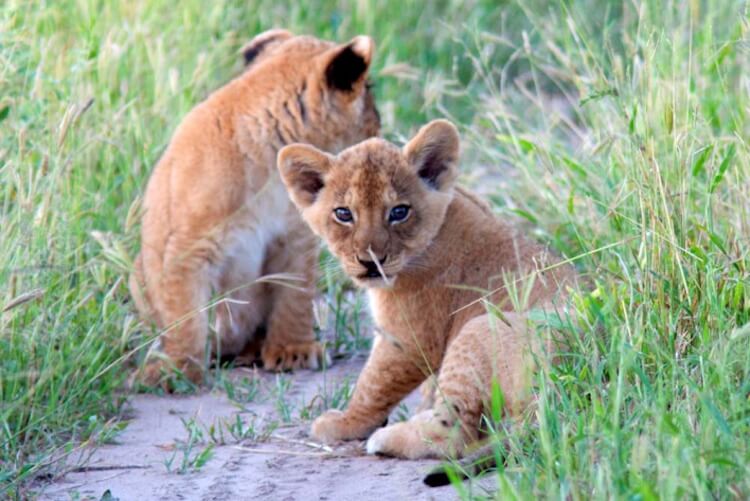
(423, 249)
(217, 217)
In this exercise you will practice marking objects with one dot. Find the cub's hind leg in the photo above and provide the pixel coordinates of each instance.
(139, 293)
(485, 348)
(290, 340)
(428, 390)
(179, 292)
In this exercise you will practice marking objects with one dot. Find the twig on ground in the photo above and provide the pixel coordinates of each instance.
(283, 452)
(85, 469)
(302, 442)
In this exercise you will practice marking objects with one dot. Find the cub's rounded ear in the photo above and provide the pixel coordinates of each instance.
(303, 168)
(346, 65)
(263, 44)
(433, 153)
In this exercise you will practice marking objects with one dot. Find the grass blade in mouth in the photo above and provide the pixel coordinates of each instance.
(378, 265)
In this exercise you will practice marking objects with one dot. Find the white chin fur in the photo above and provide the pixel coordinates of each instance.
(375, 283)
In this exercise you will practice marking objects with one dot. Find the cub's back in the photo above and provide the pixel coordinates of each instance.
(479, 250)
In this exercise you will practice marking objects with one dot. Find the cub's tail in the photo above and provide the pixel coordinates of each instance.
(480, 460)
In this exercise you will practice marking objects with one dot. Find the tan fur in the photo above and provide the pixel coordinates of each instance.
(437, 262)
(217, 217)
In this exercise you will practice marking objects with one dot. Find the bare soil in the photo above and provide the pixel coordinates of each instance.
(283, 463)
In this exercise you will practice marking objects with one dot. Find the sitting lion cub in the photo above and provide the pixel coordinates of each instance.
(217, 216)
(425, 250)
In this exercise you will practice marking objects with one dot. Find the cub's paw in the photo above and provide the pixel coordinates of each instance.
(384, 442)
(169, 376)
(330, 427)
(401, 440)
(334, 426)
(278, 357)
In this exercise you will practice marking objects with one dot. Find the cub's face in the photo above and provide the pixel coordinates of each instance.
(324, 85)
(377, 207)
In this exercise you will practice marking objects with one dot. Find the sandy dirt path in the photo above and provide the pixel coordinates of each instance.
(283, 465)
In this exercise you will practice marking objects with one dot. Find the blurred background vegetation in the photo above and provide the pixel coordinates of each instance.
(616, 131)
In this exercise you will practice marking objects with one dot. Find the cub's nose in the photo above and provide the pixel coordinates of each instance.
(371, 267)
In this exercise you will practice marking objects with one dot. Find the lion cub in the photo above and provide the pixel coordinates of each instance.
(216, 214)
(425, 250)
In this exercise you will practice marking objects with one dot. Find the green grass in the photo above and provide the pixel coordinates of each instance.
(618, 131)
(643, 178)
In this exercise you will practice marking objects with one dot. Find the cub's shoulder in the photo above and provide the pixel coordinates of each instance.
(474, 200)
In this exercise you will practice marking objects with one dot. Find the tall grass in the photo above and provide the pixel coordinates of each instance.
(617, 129)
(626, 141)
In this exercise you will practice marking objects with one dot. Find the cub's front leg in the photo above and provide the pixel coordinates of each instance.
(290, 342)
(389, 375)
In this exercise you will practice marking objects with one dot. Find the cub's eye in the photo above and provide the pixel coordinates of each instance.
(398, 214)
(343, 215)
